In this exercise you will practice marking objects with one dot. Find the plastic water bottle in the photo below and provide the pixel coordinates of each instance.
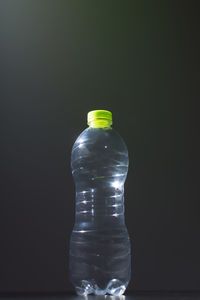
(100, 261)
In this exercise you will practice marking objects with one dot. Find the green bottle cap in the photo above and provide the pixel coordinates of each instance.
(99, 118)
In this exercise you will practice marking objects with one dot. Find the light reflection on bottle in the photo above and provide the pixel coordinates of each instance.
(117, 184)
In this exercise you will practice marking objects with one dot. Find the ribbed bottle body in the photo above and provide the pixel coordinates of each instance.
(99, 245)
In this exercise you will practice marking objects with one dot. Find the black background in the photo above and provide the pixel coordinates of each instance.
(61, 59)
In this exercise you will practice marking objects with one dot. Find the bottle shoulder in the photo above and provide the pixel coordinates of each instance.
(96, 137)
(100, 154)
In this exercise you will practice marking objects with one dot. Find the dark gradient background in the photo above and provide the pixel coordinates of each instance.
(59, 60)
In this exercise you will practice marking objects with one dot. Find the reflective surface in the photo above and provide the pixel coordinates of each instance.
(145, 296)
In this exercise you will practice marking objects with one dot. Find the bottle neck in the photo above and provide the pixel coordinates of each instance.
(100, 123)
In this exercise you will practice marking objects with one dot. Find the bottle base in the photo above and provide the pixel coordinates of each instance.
(115, 287)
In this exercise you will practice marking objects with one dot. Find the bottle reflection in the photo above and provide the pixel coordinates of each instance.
(100, 297)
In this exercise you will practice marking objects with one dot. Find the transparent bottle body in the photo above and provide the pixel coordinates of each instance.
(100, 260)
